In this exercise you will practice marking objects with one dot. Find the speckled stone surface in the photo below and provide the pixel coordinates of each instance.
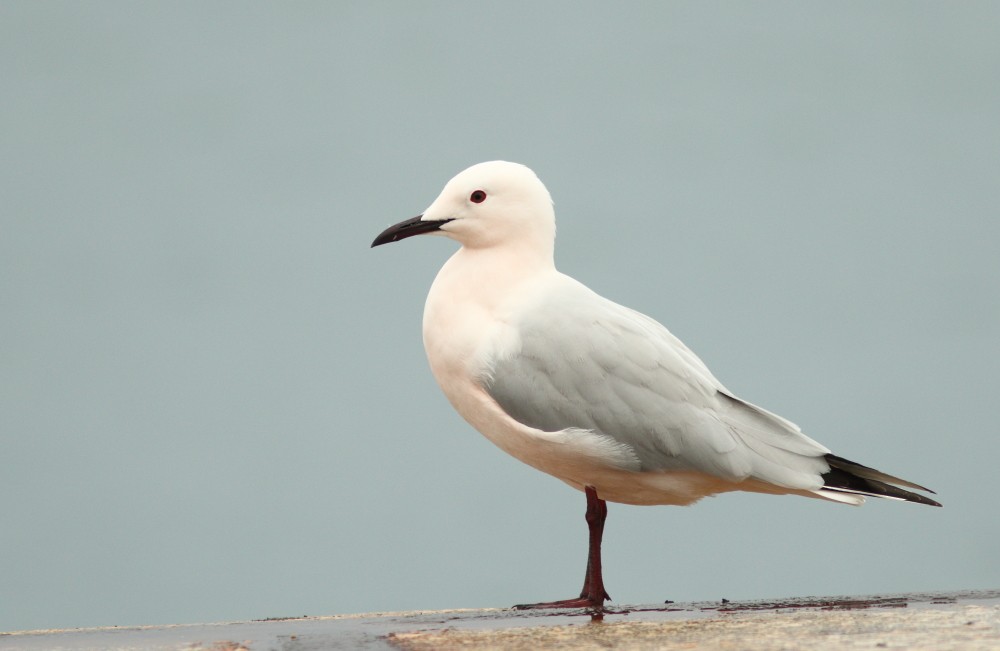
(966, 626)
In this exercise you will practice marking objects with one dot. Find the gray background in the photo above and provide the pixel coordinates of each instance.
(215, 402)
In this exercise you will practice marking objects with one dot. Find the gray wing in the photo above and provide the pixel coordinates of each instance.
(586, 362)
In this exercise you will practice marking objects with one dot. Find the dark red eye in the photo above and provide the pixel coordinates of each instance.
(477, 197)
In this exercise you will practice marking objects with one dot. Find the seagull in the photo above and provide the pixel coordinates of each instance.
(593, 393)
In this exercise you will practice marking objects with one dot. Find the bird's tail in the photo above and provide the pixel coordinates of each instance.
(847, 481)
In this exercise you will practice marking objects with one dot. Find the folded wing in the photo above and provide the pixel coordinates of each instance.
(585, 362)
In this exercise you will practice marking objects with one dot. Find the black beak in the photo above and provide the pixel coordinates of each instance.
(408, 228)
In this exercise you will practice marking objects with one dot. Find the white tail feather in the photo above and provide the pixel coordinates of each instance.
(841, 495)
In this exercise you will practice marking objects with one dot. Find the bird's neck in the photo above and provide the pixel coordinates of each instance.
(488, 276)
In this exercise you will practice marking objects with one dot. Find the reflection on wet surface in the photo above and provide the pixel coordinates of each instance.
(376, 631)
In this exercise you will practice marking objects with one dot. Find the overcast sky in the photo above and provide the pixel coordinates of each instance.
(214, 401)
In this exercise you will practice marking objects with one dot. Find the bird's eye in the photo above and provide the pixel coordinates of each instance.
(477, 197)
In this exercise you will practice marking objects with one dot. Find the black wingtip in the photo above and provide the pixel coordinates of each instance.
(855, 478)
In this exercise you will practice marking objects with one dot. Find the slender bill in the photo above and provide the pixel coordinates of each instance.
(408, 228)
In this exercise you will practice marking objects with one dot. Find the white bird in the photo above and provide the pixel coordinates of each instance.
(600, 396)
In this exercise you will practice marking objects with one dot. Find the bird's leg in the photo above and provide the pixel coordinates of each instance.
(593, 593)
(597, 513)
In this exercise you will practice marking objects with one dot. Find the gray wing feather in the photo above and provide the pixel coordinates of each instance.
(585, 362)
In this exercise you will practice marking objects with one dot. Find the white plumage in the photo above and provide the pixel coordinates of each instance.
(596, 394)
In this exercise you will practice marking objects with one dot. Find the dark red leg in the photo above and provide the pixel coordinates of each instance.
(593, 593)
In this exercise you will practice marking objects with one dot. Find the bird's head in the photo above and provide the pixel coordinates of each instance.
(490, 204)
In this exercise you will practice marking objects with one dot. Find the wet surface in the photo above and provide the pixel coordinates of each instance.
(388, 630)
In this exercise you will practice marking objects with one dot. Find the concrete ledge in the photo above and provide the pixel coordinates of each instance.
(960, 620)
